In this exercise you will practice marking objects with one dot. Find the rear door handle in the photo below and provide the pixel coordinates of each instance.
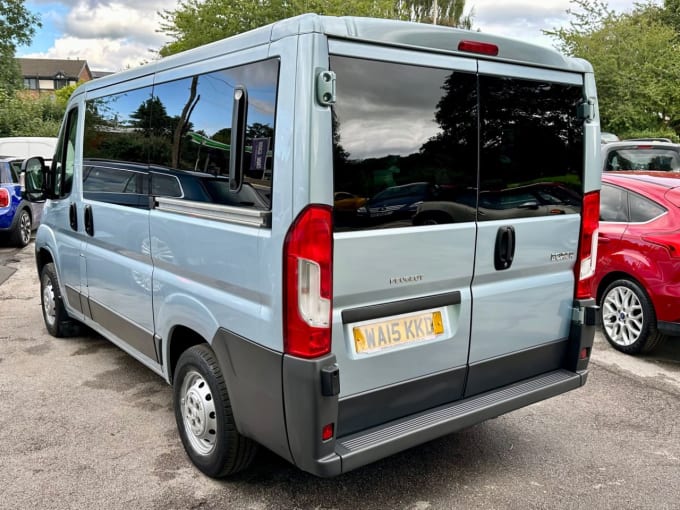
(505, 248)
(89, 222)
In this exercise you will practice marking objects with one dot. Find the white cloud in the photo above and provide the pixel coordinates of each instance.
(111, 36)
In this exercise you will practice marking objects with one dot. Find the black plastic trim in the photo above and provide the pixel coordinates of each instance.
(253, 376)
(73, 298)
(668, 328)
(581, 336)
(366, 313)
(497, 372)
(389, 403)
(307, 412)
(373, 444)
(136, 336)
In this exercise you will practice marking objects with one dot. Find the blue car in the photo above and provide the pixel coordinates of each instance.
(18, 218)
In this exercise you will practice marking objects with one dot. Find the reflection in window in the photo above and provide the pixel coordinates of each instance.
(196, 144)
(531, 159)
(643, 209)
(404, 141)
(613, 204)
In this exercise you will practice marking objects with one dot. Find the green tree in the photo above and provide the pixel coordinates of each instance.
(438, 12)
(17, 27)
(636, 58)
(198, 22)
(25, 115)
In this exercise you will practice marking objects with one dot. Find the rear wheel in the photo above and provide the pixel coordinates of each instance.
(628, 318)
(204, 416)
(57, 320)
(21, 235)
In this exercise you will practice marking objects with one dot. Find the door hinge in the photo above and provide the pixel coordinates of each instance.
(586, 110)
(325, 87)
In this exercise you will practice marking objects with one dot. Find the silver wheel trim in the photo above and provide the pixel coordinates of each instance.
(622, 316)
(198, 413)
(49, 302)
(25, 227)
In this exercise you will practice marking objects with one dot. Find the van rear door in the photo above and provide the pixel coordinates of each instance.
(531, 175)
(405, 137)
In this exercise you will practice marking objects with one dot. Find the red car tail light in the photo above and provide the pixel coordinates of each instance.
(308, 283)
(584, 269)
(668, 240)
(4, 197)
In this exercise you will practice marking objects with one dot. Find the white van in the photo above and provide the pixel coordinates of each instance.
(246, 219)
(27, 146)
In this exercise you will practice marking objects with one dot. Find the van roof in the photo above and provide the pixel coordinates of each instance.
(418, 36)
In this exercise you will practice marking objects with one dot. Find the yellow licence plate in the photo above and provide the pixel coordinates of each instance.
(378, 336)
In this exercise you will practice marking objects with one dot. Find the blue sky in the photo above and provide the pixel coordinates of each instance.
(116, 34)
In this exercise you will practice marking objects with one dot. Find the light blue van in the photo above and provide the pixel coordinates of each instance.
(337, 238)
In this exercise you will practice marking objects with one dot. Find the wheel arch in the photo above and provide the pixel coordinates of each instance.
(619, 275)
(180, 339)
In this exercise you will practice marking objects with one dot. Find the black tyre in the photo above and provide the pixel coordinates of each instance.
(57, 321)
(204, 416)
(628, 318)
(21, 235)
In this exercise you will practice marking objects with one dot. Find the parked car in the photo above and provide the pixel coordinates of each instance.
(18, 217)
(29, 146)
(641, 155)
(531, 200)
(608, 137)
(638, 266)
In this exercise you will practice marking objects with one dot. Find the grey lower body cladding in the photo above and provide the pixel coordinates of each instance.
(278, 402)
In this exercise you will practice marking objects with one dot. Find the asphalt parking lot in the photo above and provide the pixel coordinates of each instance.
(83, 425)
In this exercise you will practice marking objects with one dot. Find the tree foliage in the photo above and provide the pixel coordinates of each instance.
(198, 22)
(17, 26)
(636, 58)
(25, 115)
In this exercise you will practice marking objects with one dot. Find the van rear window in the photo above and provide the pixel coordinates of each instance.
(408, 152)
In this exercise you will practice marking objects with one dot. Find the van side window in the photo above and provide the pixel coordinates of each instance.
(192, 142)
(531, 158)
(404, 145)
(64, 158)
(119, 134)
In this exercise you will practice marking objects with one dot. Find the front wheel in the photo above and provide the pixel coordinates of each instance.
(57, 320)
(628, 318)
(204, 416)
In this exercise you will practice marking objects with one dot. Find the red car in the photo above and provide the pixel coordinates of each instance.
(637, 281)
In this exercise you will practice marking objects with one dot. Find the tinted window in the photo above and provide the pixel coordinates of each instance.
(193, 117)
(643, 159)
(613, 204)
(119, 134)
(405, 142)
(642, 209)
(165, 186)
(531, 158)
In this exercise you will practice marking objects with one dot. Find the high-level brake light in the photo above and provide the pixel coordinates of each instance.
(478, 47)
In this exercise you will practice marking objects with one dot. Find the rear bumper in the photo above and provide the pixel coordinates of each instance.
(370, 445)
(280, 401)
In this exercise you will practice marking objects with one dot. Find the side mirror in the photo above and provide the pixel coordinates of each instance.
(32, 179)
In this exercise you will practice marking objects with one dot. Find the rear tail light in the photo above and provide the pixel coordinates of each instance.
(308, 283)
(4, 197)
(584, 269)
(478, 47)
(668, 240)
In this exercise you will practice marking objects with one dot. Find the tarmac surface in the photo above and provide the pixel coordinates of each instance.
(84, 426)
